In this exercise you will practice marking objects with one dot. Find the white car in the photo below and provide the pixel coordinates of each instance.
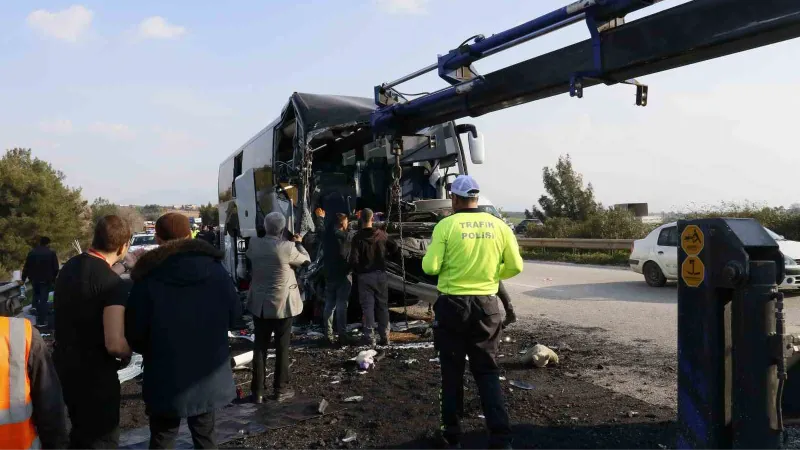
(146, 242)
(656, 257)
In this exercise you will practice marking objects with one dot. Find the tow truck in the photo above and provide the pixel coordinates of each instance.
(736, 362)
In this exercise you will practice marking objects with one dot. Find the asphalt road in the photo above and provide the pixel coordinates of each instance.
(615, 299)
(614, 305)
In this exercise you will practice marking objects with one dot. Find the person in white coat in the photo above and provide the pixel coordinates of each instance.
(274, 300)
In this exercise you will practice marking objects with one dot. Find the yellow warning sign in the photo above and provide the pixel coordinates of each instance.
(692, 240)
(693, 271)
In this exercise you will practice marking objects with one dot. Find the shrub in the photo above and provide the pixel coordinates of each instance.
(604, 224)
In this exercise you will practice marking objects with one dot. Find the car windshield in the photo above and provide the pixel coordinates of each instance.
(144, 240)
(489, 209)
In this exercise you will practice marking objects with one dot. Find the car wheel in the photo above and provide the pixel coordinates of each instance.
(653, 275)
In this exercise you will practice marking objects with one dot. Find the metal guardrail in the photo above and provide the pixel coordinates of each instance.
(11, 291)
(581, 244)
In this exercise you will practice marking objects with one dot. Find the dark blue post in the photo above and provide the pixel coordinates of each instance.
(729, 347)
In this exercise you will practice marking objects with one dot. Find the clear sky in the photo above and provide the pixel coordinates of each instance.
(139, 101)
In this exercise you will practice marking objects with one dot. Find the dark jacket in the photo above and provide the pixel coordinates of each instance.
(368, 251)
(180, 309)
(41, 265)
(46, 396)
(336, 248)
(207, 236)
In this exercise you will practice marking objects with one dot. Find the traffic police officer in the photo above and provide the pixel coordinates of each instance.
(470, 251)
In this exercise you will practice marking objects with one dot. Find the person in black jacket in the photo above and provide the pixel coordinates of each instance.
(368, 260)
(206, 234)
(41, 267)
(180, 309)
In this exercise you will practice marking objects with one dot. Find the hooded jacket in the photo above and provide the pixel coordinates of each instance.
(368, 252)
(180, 309)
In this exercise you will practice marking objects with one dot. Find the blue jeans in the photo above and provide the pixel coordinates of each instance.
(41, 293)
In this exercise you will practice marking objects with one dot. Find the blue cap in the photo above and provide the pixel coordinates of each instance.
(465, 186)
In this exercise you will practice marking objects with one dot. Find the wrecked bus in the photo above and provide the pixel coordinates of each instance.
(322, 144)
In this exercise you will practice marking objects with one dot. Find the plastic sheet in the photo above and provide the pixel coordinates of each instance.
(233, 422)
(133, 370)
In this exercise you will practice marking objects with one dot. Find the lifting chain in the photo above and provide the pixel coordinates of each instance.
(396, 196)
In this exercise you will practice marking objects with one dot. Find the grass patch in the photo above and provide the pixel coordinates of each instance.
(601, 258)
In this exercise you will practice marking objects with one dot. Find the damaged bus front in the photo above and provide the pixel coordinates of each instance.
(322, 147)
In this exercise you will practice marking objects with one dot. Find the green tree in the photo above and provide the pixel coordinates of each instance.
(567, 197)
(102, 207)
(209, 214)
(151, 212)
(35, 202)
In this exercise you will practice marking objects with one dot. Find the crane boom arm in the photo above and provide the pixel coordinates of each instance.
(686, 34)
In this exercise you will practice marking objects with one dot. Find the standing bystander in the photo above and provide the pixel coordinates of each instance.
(89, 305)
(181, 306)
(368, 260)
(274, 300)
(338, 280)
(31, 406)
(41, 267)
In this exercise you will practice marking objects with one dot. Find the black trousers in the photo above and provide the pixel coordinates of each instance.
(164, 430)
(470, 326)
(41, 293)
(263, 331)
(92, 395)
(373, 294)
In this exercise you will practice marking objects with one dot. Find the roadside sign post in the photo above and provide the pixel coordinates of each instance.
(731, 342)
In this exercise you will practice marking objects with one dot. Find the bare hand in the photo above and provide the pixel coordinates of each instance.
(297, 238)
(511, 317)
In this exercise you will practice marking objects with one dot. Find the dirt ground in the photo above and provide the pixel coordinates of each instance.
(400, 406)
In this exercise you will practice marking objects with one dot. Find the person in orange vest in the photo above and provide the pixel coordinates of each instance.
(31, 404)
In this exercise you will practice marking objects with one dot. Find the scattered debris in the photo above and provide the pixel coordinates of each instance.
(323, 405)
(434, 360)
(241, 361)
(335, 382)
(501, 356)
(562, 347)
(362, 372)
(366, 359)
(551, 396)
(507, 339)
(354, 399)
(481, 416)
(502, 378)
(314, 334)
(412, 345)
(662, 446)
(132, 370)
(522, 352)
(631, 414)
(540, 356)
(349, 436)
(574, 419)
(402, 326)
(249, 337)
(408, 362)
(521, 385)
